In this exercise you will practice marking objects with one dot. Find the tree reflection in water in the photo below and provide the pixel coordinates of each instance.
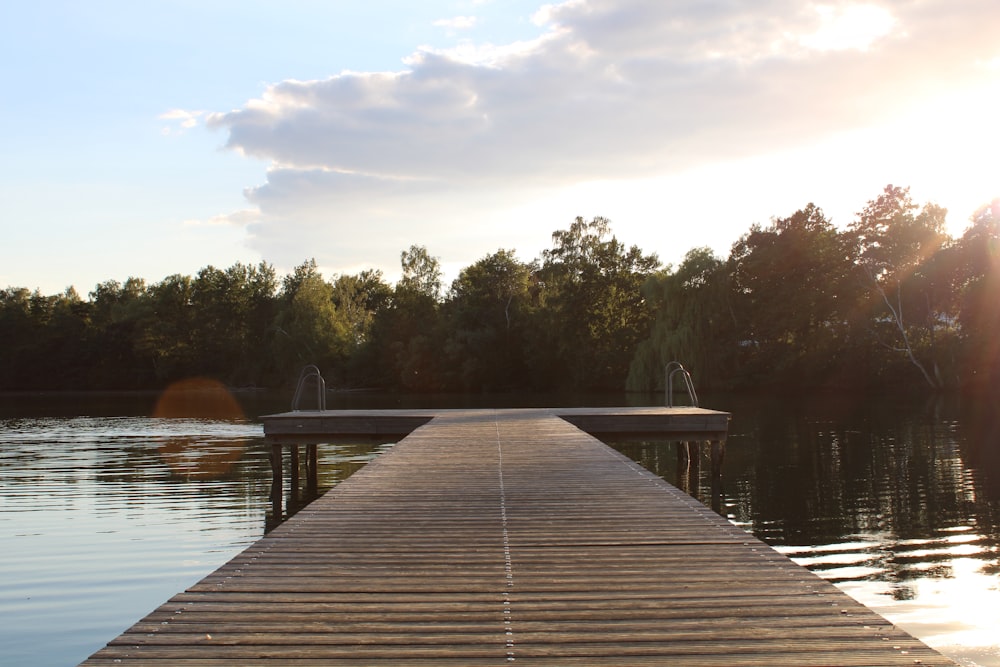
(895, 501)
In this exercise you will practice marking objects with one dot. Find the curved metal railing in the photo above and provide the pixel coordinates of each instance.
(672, 369)
(306, 374)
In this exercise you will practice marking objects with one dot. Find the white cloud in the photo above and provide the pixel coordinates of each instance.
(181, 120)
(365, 163)
(457, 23)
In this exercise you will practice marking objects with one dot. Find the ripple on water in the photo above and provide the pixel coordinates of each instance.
(102, 519)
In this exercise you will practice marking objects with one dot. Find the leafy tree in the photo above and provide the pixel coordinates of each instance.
(791, 298)
(407, 334)
(65, 346)
(592, 310)
(978, 292)
(692, 323)
(421, 273)
(118, 311)
(44, 340)
(893, 241)
(310, 329)
(360, 299)
(18, 333)
(167, 336)
(795, 303)
(487, 310)
(233, 310)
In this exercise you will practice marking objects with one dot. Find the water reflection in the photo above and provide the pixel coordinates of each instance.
(335, 461)
(104, 518)
(897, 504)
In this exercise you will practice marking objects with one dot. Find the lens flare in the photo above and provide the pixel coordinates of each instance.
(199, 398)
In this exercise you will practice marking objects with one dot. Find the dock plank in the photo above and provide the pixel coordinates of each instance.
(491, 537)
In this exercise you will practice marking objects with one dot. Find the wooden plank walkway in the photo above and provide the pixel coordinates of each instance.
(498, 537)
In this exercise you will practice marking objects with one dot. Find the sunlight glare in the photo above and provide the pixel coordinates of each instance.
(855, 27)
(953, 143)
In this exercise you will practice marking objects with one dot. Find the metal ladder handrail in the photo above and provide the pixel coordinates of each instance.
(672, 369)
(307, 373)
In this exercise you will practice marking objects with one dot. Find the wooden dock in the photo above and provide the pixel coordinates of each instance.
(497, 537)
(688, 427)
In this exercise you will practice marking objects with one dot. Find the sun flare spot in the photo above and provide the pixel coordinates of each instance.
(199, 398)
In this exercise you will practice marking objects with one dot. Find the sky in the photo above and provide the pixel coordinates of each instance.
(154, 138)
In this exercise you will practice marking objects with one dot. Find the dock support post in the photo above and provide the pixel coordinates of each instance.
(312, 470)
(276, 475)
(297, 496)
(293, 491)
(694, 469)
(682, 455)
(683, 462)
(718, 456)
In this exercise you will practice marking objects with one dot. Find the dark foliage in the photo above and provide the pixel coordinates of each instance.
(889, 301)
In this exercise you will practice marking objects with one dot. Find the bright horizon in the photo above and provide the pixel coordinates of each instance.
(151, 139)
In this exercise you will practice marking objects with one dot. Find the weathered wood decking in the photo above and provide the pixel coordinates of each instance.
(491, 537)
(688, 426)
(679, 423)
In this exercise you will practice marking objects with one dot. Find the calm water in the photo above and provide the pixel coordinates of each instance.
(103, 518)
(105, 512)
(897, 503)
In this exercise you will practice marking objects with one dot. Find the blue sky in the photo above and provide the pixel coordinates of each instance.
(145, 139)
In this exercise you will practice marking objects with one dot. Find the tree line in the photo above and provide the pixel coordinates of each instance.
(890, 300)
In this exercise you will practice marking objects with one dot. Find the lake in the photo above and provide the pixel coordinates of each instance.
(106, 512)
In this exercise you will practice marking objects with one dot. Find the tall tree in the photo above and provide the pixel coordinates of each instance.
(167, 335)
(407, 333)
(894, 238)
(233, 312)
(790, 298)
(18, 332)
(978, 291)
(117, 316)
(309, 328)
(360, 299)
(594, 314)
(692, 323)
(421, 272)
(486, 316)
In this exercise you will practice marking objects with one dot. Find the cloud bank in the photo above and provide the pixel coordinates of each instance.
(362, 164)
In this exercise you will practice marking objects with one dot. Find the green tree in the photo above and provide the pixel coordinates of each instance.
(45, 340)
(309, 327)
(692, 323)
(118, 313)
(486, 314)
(978, 293)
(791, 300)
(894, 239)
(18, 333)
(360, 299)
(407, 334)
(421, 273)
(232, 314)
(592, 313)
(166, 335)
(64, 345)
